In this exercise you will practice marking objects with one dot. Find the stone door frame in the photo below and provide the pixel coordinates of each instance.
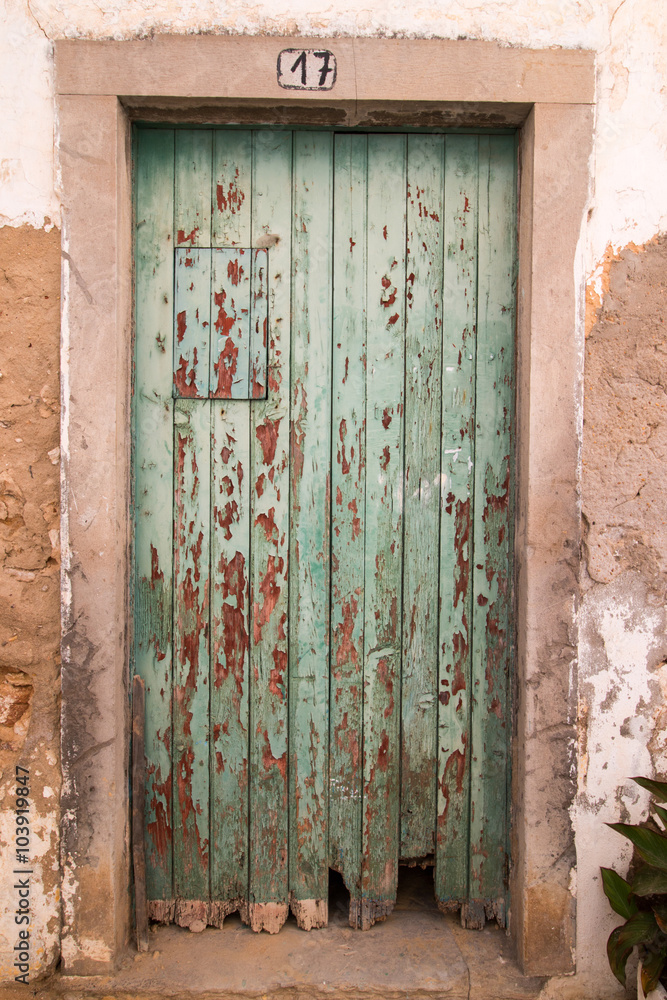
(101, 88)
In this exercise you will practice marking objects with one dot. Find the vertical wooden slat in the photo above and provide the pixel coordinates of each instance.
(153, 463)
(230, 323)
(348, 489)
(309, 527)
(232, 159)
(193, 153)
(192, 322)
(259, 324)
(456, 518)
(270, 485)
(230, 565)
(423, 358)
(492, 538)
(192, 430)
(192, 228)
(138, 808)
(383, 544)
(230, 569)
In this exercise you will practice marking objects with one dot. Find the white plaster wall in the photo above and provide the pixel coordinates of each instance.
(629, 36)
(622, 686)
(628, 203)
(27, 180)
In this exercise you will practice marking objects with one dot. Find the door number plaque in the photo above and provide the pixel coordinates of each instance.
(306, 69)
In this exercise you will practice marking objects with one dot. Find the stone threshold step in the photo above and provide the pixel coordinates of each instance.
(413, 954)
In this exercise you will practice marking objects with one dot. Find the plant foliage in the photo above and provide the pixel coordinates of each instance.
(642, 902)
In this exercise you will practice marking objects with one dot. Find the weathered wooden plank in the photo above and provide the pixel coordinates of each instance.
(230, 640)
(383, 546)
(232, 179)
(230, 569)
(192, 430)
(192, 322)
(492, 528)
(138, 808)
(423, 360)
(153, 464)
(270, 485)
(456, 517)
(230, 323)
(193, 155)
(259, 320)
(309, 527)
(193, 152)
(348, 493)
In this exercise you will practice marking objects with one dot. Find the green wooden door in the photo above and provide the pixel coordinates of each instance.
(323, 404)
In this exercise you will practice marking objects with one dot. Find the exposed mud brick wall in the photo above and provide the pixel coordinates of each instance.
(625, 424)
(622, 671)
(29, 572)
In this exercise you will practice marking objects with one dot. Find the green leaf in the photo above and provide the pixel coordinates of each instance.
(618, 955)
(660, 914)
(639, 929)
(656, 788)
(651, 846)
(652, 966)
(649, 882)
(661, 812)
(618, 892)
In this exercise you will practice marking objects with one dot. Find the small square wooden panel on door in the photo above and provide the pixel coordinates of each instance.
(220, 322)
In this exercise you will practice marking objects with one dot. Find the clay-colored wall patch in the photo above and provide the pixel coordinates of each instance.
(625, 422)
